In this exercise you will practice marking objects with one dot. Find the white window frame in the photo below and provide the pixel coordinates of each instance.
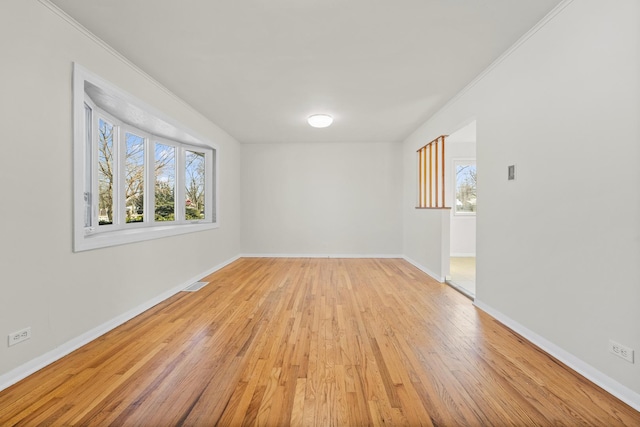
(456, 163)
(120, 232)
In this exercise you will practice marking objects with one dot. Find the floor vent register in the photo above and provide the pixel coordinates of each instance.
(195, 286)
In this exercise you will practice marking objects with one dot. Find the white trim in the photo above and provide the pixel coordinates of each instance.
(82, 75)
(365, 256)
(463, 255)
(455, 161)
(607, 383)
(122, 233)
(522, 40)
(34, 365)
(139, 234)
(101, 43)
(424, 269)
(464, 291)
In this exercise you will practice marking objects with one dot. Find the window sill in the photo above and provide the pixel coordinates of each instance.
(85, 242)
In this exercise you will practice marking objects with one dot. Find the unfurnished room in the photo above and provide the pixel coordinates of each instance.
(355, 213)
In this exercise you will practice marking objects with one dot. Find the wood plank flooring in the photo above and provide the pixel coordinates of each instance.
(318, 342)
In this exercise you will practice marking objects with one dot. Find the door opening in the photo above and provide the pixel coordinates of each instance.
(461, 162)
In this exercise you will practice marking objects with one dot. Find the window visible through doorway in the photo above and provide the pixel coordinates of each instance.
(465, 179)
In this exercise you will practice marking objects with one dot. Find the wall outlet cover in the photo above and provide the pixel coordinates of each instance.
(621, 351)
(19, 336)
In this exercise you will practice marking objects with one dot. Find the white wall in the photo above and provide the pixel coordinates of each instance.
(43, 284)
(322, 199)
(558, 248)
(428, 245)
(426, 232)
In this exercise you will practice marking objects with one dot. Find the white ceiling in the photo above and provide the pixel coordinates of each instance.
(258, 68)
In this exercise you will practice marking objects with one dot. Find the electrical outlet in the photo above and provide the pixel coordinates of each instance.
(21, 335)
(621, 350)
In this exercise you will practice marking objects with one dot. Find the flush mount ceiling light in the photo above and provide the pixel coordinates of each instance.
(320, 120)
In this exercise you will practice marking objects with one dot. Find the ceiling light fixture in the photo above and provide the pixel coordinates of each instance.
(320, 120)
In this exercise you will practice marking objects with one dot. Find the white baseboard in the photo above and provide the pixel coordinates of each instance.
(423, 269)
(321, 256)
(34, 365)
(612, 386)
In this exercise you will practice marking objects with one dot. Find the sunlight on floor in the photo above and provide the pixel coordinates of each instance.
(463, 274)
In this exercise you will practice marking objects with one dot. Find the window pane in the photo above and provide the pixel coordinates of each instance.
(88, 165)
(134, 184)
(465, 188)
(105, 172)
(165, 172)
(194, 185)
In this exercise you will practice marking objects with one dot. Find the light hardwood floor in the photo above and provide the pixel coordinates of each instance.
(345, 342)
(463, 274)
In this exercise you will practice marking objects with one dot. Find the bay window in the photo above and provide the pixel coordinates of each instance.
(138, 175)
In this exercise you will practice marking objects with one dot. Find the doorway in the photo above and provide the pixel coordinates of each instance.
(461, 162)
